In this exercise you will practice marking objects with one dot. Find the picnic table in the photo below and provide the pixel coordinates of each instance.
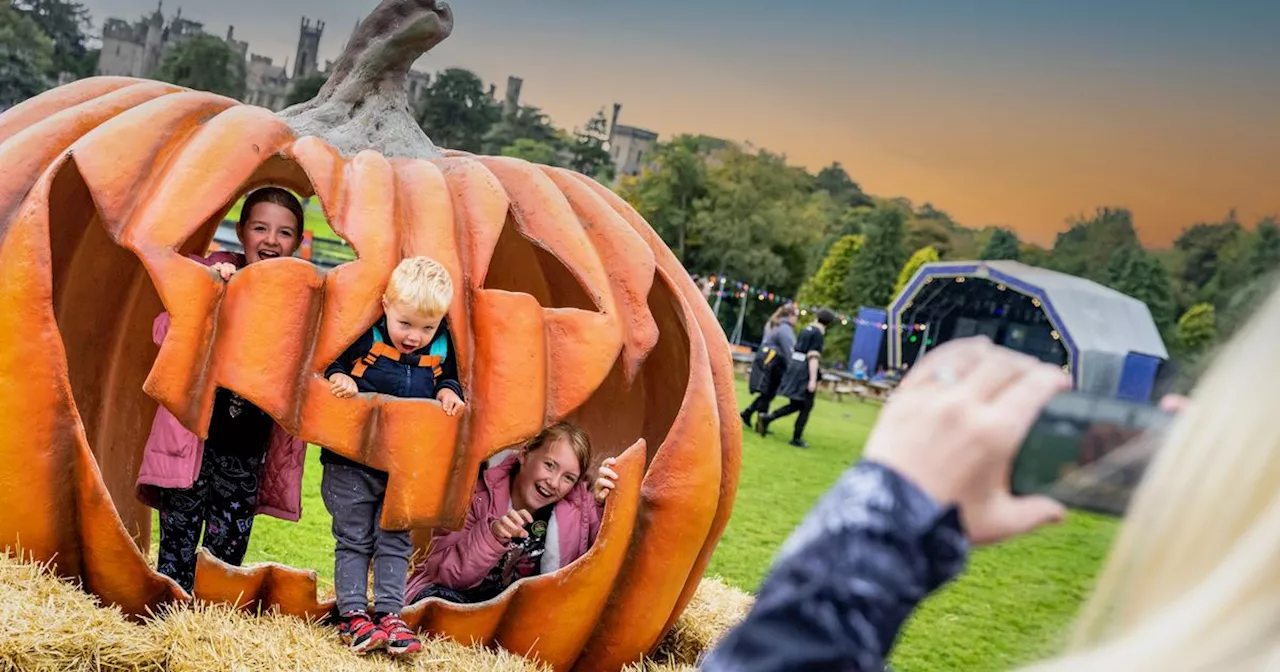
(841, 383)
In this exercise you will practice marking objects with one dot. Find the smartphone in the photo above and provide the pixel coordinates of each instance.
(1071, 452)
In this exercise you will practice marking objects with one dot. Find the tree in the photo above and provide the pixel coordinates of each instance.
(758, 220)
(206, 63)
(306, 88)
(1085, 249)
(588, 155)
(1197, 328)
(922, 233)
(533, 151)
(1136, 272)
(1033, 255)
(829, 286)
(1266, 252)
(527, 122)
(922, 256)
(875, 272)
(25, 57)
(1201, 245)
(667, 195)
(1003, 245)
(843, 190)
(67, 24)
(456, 111)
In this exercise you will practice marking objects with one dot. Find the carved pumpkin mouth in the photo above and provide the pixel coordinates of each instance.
(568, 307)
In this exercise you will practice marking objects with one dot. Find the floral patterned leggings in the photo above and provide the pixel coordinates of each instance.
(221, 502)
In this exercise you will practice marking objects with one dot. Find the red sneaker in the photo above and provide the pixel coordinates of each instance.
(400, 639)
(358, 632)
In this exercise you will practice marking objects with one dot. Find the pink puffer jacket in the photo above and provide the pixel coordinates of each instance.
(173, 453)
(461, 559)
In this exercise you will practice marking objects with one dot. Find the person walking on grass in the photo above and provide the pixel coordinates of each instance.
(800, 381)
(771, 361)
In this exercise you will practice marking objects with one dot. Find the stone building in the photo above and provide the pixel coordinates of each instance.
(629, 146)
(136, 50)
(266, 84)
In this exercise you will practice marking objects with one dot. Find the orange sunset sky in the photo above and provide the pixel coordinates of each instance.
(1000, 112)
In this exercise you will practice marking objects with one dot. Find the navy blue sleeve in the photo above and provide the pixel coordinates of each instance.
(348, 358)
(847, 579)
(449, 369)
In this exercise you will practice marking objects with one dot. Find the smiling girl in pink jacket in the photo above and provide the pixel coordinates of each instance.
(531, 513)
(249, 464)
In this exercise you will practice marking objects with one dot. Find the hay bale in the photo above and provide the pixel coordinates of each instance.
(716, 607)
(209, 637)
(48, 624)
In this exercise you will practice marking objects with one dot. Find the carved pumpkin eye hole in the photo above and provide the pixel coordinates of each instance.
(104, 303)
(521, 265)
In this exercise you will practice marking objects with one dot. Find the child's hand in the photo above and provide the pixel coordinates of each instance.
(224, 269)
(450, 401)
(342, 386)
(511, 525)
(606, 479)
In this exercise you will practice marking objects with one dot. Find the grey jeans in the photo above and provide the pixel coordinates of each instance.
(353, 495)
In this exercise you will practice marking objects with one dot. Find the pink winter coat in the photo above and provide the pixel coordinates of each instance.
(173, 453)
(461, 559)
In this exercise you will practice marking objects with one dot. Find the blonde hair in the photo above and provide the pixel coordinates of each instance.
(1192, 581)
(578, 441)
(421, 284)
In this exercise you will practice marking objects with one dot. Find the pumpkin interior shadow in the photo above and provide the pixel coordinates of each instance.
(521, 265)
(105, 302)
(616, 414)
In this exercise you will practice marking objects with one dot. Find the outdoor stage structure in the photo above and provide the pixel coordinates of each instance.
(1106, 340)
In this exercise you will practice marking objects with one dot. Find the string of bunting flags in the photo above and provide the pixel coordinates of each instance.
(736, 289)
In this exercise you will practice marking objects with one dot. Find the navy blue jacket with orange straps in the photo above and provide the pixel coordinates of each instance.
(378, 367)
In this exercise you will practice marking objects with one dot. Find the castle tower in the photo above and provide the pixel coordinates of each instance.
(512, 104)
(154, 41)
(307, 60)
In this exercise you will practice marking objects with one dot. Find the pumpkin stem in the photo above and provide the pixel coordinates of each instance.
(365, 104)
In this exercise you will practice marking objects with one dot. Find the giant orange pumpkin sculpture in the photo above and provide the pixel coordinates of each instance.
(570, 307)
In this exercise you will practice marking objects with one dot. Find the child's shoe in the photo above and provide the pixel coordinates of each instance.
(400, 639)
(358, 632)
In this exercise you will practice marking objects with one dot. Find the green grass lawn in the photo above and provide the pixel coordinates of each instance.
(1015, 601)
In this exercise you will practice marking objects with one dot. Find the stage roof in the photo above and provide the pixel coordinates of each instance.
(1094, 318)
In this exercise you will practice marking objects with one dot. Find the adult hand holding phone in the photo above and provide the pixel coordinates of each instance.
(954, 426)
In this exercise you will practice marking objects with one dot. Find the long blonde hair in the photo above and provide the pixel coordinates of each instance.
(1193, 581)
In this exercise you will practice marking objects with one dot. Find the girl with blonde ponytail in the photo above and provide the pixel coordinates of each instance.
(1193, 581)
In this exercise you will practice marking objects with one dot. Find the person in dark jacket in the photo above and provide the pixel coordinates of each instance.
(408, 353)
(898, 525)
(800, 381)
(771, 360)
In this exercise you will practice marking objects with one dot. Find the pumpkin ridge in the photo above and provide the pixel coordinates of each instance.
(93, 544)
(537, 207)
(730, 432)
(667, 521)
(238, 142)
(29, 152)
(630, 279)
(39, 108)
(167, 119)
